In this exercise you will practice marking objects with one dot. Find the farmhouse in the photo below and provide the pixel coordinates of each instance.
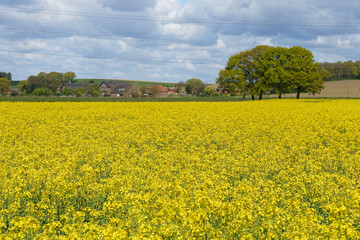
(73, 86)
(157, 91)
(114, 89)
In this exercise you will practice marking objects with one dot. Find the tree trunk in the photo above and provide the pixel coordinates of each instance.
(260, 95)
(252, 97)
(280, 95)
(298, 93)
(244, 95)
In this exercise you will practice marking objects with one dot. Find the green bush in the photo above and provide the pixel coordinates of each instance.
(42, 92)
(79, 92)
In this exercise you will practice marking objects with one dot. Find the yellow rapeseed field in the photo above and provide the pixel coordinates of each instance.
(279, 169)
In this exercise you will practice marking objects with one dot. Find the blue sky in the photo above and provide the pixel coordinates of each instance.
(166, 40)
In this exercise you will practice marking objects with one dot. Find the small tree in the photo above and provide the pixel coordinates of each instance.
(69, 77)
(94, 90)
(142, 89)
(79, 92)
(67, 91)
(134, 90)
(210, 91)
(194, 86)
(23, 86)
(4, 86)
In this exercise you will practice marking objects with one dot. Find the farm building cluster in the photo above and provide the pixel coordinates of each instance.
(119, 89)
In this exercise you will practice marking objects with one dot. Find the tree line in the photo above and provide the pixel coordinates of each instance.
(45, 83)
(341, 70)
(272, 69)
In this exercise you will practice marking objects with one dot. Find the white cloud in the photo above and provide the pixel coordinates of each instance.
(142, 39)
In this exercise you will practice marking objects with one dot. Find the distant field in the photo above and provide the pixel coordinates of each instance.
(342, 89)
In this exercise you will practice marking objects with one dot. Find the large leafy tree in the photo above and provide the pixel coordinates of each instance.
(4, 85)
(22, 86)
(94, 90)
(231, 80)
(70, 77)
(241, 72)
(50, 80)
(288, 69)
(272, 69)
(53, 80)
(304, 72)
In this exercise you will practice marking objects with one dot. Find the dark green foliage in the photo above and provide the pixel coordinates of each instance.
(67, 91)
(341, 70)
(194, 86)
(42, 92)
(289, 69)
(4, 86)
(278, 69)
(5, 75)
(94, 90)
(241, 73)
(14, 93)
(79, 92)
(50, 80)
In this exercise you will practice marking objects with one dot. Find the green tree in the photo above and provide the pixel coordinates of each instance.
(53, 80)
(357, 64)
(22, 85)
(4, 86)
(210, 91)
(241, 72)
(79, 92)
(5, 75)
(231, 80)
(304, 72)
(287, 69)
(272, 69)
(50, 80)
(67, 91)
(69, 77)
(42, 92)
(194, 86)
(94, 90)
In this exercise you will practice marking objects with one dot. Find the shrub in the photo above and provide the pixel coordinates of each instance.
(42, 92)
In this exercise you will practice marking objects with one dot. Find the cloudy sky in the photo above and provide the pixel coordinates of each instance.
(166, 40)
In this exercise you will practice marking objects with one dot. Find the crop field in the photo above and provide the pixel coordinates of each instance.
(271, 169)
(335, 89)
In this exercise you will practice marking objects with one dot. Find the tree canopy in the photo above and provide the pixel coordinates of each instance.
(50, 80)
(5, 75)
(4, 85)
(194, 86)
(341, 70)
(278, 69)
(240, 73)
